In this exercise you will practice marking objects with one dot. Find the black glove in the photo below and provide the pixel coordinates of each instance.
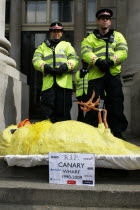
(102, 65)
(62, 69)
(49, 70)
(83, 72)
(84, 65)
(110, 62)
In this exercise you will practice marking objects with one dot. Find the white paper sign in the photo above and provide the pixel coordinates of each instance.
(72, 168)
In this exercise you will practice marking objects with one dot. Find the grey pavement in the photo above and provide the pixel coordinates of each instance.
(45, 207)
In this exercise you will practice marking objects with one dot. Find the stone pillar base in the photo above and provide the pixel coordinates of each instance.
(14, 93)
(5, 46)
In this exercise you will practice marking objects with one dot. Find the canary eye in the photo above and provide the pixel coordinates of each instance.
(13, 131)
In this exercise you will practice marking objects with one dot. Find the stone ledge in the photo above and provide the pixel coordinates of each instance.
(12, 72)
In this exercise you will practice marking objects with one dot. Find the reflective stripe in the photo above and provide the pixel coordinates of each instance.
(76, 58)
(85, 52)
(56, 55)
(39, 59)
(112, 47)
(56, 64)
(104, 54)
(48, 57)
(86, 47)
(40, 55)
(82, 88)
(81, 84)
(100, 48)
(122, 48)
(60, 56)
(121, 44)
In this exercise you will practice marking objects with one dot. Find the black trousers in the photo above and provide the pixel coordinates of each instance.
(113, 102)
(56, 103)
(81, 116)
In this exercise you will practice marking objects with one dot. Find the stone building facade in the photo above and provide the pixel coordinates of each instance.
(27, 26)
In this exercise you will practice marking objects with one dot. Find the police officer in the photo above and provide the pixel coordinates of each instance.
(104, 50)
(56, 59)
(81, 84)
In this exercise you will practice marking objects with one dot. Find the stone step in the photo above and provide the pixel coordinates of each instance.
(39, 192)
(30, 186)
(48, 207)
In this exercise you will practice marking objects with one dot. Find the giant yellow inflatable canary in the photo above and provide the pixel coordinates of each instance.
(66, 136)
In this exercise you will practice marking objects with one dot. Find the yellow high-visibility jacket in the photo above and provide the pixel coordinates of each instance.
(81, 84)
(93, 48)
(62, 53)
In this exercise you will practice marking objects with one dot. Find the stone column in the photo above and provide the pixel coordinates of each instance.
(131, 73)
(15, 30)
(133, 37)
(79, 24)
(4, 43)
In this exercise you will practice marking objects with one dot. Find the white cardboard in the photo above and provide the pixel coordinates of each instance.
(72, 168)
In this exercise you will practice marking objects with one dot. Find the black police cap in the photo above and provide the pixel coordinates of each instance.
(56, 26)
(104, 12)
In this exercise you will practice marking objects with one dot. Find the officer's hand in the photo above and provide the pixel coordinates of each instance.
(48, 70)
(63, 68)
(84, 64)
(57, 71)
(102, 65)
(83, 72)
(110, 62)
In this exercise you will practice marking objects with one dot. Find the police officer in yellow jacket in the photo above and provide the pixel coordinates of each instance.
(56, 59)
(104, 49)
(81, 84)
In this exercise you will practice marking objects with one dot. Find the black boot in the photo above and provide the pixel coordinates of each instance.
(118, 135)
